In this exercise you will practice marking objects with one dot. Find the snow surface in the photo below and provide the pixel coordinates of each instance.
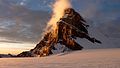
(92, 58)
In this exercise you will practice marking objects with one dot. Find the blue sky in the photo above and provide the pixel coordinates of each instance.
(22, 21)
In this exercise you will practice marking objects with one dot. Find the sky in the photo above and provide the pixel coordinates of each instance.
(22, 21)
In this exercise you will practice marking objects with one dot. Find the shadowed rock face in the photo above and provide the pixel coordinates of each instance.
(69, 27)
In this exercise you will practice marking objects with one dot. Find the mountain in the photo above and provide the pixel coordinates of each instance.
(5, 56)
(70, 27)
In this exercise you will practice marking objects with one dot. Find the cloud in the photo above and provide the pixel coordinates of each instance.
(98, 11)
(22, 24)
(10, 41)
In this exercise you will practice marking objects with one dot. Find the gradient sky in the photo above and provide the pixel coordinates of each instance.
(23, 21)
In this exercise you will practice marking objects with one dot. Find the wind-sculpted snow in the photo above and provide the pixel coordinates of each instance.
(97, 58)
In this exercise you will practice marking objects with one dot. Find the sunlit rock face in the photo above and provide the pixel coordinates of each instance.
(70, 27)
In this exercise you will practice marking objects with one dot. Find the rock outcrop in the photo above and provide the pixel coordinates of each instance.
(70, 27)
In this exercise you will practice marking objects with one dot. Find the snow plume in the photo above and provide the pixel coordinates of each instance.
(58, 10)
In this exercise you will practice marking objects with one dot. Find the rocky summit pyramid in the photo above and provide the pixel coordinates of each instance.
(70, 27)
